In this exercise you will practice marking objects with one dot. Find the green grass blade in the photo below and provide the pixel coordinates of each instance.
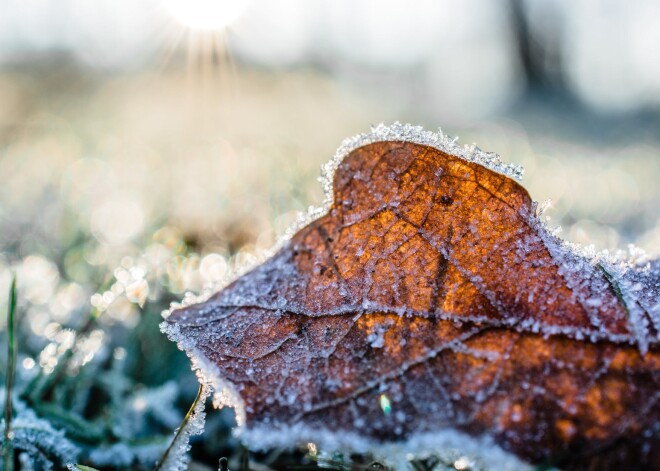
(79, 467)
(8, 451)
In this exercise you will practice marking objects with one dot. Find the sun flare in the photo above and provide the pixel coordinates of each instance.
(206, 15)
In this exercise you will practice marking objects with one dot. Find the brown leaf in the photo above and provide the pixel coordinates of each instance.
(431, 298)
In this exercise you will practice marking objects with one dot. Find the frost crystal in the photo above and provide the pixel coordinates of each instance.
(418, 135)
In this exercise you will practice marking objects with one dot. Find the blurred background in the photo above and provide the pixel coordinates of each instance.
(148, 147)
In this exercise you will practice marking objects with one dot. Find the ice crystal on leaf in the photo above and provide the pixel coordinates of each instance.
(429, 279)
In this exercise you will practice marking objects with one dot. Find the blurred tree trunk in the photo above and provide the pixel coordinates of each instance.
(538, 45)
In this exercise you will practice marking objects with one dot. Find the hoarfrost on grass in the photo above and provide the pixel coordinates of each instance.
(149, 404)
(37, 438)
(177, 458)
(123, 455)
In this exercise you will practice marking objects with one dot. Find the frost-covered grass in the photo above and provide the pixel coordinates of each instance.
(93, 394)
(102, 387)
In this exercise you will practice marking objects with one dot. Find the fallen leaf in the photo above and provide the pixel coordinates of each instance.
(430, 298)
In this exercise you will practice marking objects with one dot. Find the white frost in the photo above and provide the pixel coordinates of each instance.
(418, 135)
(448, 445)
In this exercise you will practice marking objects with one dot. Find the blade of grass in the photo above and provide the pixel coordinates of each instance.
(80, 467)
(181, 429)
(615, 286)
(11, 369)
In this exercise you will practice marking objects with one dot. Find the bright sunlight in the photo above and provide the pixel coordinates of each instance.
(206, 15)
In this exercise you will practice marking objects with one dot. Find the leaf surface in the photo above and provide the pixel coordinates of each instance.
(430, 297)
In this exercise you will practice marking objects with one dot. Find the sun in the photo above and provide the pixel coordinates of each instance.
(206, 15)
